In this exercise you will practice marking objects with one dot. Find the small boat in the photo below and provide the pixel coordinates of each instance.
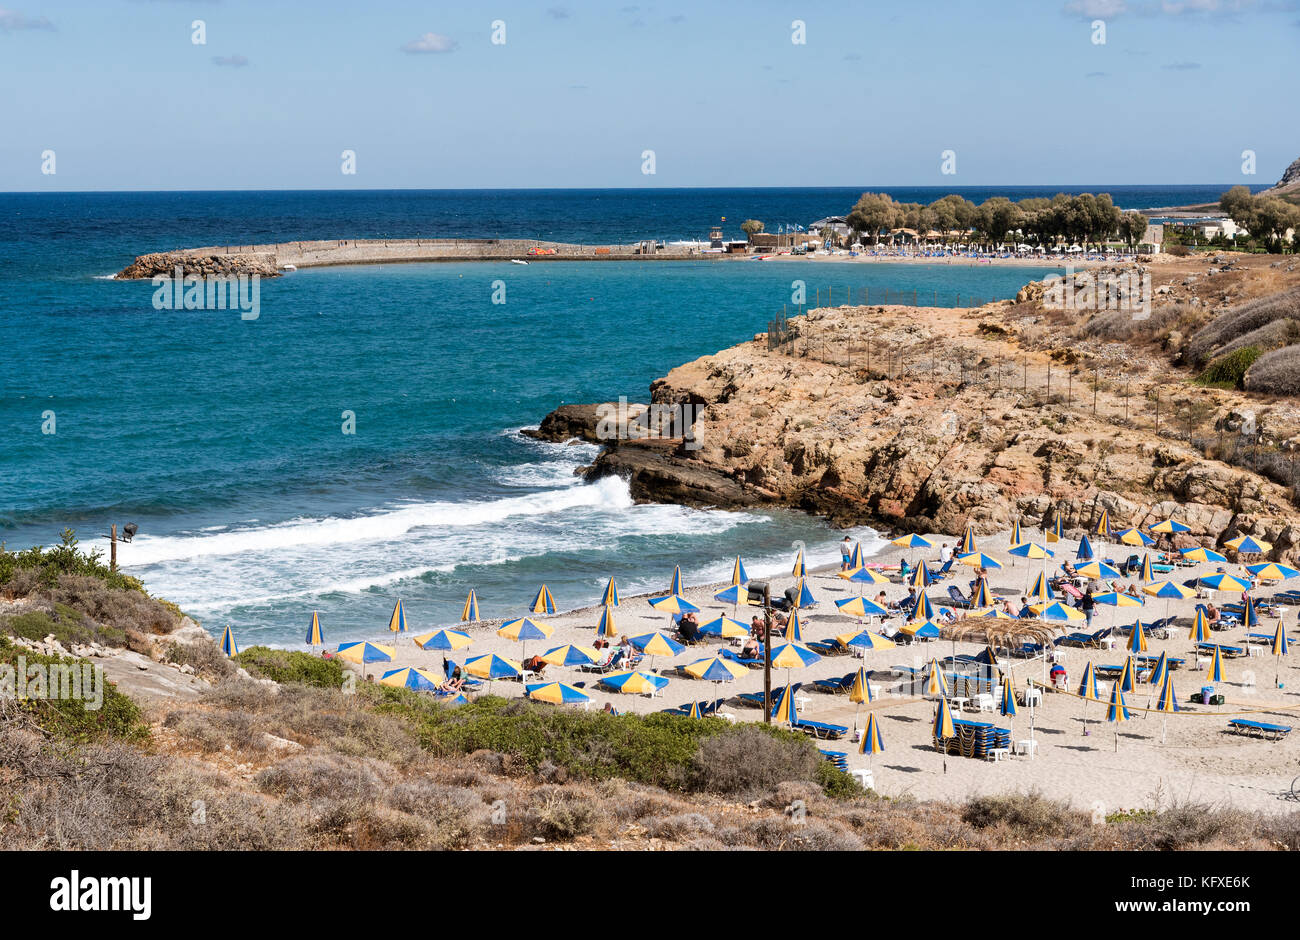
(288, 267)
(517, 261)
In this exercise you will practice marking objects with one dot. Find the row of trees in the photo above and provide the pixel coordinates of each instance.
(1266, 218)
(1085, 218)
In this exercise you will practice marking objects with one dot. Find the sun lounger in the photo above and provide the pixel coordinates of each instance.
(1073, 639)
(756, 698)
(958, 599)
(1228, 652)
(1258, 729)
(829, 647)
(821, 729)
(835, 686)
(837, 758)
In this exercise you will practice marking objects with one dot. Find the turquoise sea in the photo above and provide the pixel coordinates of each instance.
(221, 438)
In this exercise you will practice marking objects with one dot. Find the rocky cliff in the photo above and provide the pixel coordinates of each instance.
(200, 265)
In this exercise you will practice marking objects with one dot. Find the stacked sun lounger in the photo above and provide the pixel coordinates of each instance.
(1258, 729)
(975, 739)
(968, 686)
(839, 760)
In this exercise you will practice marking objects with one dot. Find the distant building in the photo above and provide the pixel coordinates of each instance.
(715, 237)
(1152, 240)
(836, 223)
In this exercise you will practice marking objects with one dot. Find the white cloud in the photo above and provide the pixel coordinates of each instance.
(12, 21)
(431, 42)
(234, 61)
(1102, 9)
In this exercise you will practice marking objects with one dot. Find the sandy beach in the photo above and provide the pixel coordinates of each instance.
(1200, 761)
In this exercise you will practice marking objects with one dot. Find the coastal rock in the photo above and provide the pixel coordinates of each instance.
(202, 265)
(566, 423)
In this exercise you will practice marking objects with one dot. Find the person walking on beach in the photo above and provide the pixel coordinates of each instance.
(945, 554)
(1086, 604)
(846, 552)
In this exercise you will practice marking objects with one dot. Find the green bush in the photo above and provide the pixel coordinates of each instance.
(1229, 371)
(292, 666)
(64, 558)
(68, 720)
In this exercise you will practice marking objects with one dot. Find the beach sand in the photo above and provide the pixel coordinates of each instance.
(1199, 762)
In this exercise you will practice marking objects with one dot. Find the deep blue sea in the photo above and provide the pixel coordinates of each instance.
(221, 438)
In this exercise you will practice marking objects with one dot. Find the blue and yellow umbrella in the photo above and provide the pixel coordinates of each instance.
(695, 711)
(524, 629)
(1085, 550)
(1042, 589)
(361, 652)
(1031, 550)
(637, 682)
(1057, 532)
(1135, 537)
(734, 595)
(228, 645)
(921, 577)
(1118, 711)
(979, 560)
(556, 693)
(1098, 570)
(1166, 702)
(921, 629)
(715, 669)
(912, 540)
(860, 691)
(609, 597)
(1246, 545)
(675, 586)
(738, 575)
(605, 625)
(793, 655)
(1216, 664)
(1137, 641)
(1008, 704)
(1203, 554)
(860, 607)
(800, 570)
(968, 545)
(866, 639)
(872, 740)
(315, 636)
(1161, 670)
(1272, 572)
(443, 640)
(656, 644)
(1118, 599)
(922, 610)
(863, 576)
(942, 727)
(491, 666)
(805, 594)
(856, 560)
(1015, 534)
(724, 627)
(1148, 573)
(672, 604)
(397, 622)
(1280, 647)
(415, 679)
(469, 613)
(1170, 527)
(543, 602)
(1250, 615)
(1055, 610)
(983, 596)
(1088, 688)
(1224, 582)
(935, 683)
(570, 655)
(784, 710)
(1128, 675)
(794, 626)
(1170, 590)
(1102, 528)
(1200, 632)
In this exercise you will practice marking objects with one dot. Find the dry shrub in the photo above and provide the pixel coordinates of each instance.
(561, 814)
(680, 827)
(751, 760)
(1240, 320)
(112, 607)
(213, 731)
(1276, 372)
(1030, 814)
(206, 659)
(319, 775)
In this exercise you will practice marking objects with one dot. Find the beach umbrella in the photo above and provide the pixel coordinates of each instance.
(1245, 545)
(1118, 711)
(676, 586)
(1056, 532)
(695, 711)
(1148, 573)
(784, 710)
(360, 652)
(1280, 648)
(397, 622)
(442, 640)
(1170, 590)
(1250, 616)
(415, 679)
(860, 607)
(983, 596)
(1102, 529)
(656, 644)
(605, 625)
(1272, 572)
(793, 655)
(967, 545)
(1085, 550)
(556, 693)
(1223, 582)
(1166, 702)
(1015, 534)
(1042, 590)
(1200, 632)
(1161, 669)
(470, 611)
(1008, 704)
(800, 570)
(856, 560)
(1128, 674)
(860, 691)
(738, 575)
(1088, 691)
(866, 639)
(912, 540)
(1203, 554)
(228, 645)
(524, 629)
(922, 609)
(1170, 527)
(794, 626)
(805, 594)
(736, 596)
(921, 629)
(1055, 610)
(1031, 550)
(543, 602)
(921, 577)
(943, 728)
(491, 666)
(1098, 570)
(872, 741)
(979, 560)
(570, 655)
(672, 604)
(1137, 641)
(634, 682)
(992, 613)
(864, 576)
(724, 627)
(935, 683)
(1216, 664)
(609, 597)
(1135, 537)
(315, 637)
(716, 669)
(1118, 599)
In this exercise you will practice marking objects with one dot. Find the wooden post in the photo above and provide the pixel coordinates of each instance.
(767, 653)
(112, 547)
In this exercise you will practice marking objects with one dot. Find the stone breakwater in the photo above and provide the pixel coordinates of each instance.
(271, 260)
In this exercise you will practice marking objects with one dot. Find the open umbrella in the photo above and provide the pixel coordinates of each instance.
(872, 741)
(360, 652)
(866, 639)
(860, 607)
(793, 655)
(716, 669)
(1223, 582)
(442, 640)
(738, 575)
(315, 637)
(1031, 550)
(979, 560)
(524, 629)
(656, 644)
(912, 540)
(1135, 537)
(543, 602)
(1056, 611)
(397, 622)
(556, 693)
(1170, 527)
(1203, 554)
(1117, 599)
(1245, 545)
(1118, 711)
(415, 679)
(637, 682)
(1098, 570)
(724, 627)
(570, 655)
(228, 645)
(1272, 572)
(491, 666)
(672, 604)
(862, 575)
(609, 597)
(470, 611)
(1170, 591)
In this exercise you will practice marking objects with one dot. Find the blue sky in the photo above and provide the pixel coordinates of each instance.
(578, 91)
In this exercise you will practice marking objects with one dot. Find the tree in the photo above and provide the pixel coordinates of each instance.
(1132, 226)
(751, 227)
(873, 213)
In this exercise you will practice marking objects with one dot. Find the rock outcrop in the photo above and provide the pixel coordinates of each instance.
(200, 265)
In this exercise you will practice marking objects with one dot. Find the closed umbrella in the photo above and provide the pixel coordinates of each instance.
(315, 637)
(605, 625)
(397, 622)
(675, 587)
(470, 611)
(1280, 648)
(738, 575)
(228, 645)
(1118, 711)
(872, 740)
(1085, 550)
(1166, 702)
(609, 597)
(543, 602)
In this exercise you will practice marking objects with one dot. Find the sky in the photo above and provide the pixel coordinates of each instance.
(1020, 91)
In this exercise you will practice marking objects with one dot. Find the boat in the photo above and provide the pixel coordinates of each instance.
(517, 261)
(288, 267)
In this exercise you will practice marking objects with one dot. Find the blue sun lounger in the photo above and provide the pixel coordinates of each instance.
(829, 647)
(821, 729)
(835, 686)
(839, 760)
(1231, 652)
(756, 698)
(1258, 729)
